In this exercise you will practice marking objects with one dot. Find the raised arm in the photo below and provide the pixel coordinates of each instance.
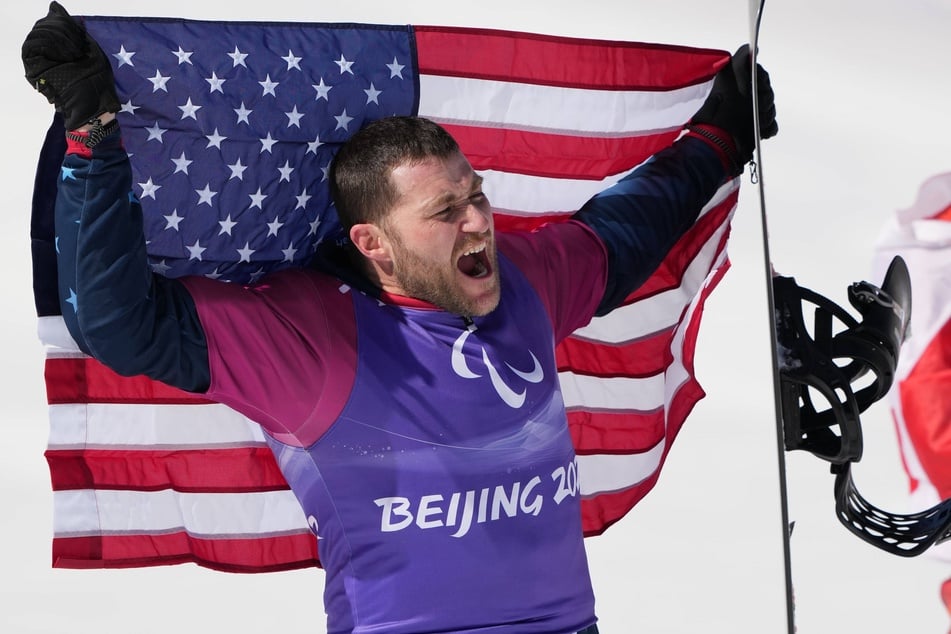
(116, 309)
(641, 217)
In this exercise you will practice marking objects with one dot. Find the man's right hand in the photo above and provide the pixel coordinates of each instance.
(68, 68)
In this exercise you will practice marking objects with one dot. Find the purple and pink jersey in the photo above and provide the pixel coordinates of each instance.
(422, 445)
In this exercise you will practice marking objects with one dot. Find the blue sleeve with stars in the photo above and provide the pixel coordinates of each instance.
(640, 218)
(117, 310)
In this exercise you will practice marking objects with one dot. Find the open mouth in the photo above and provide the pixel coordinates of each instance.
(474, 262)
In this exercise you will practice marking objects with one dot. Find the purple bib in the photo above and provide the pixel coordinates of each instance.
(449, 479)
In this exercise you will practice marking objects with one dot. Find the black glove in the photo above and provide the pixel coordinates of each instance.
(68, 67)
(730, 105)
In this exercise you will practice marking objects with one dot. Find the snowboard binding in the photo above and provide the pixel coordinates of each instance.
(850, 369)
(830, 374)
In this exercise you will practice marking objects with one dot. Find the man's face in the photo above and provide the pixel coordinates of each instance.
(442, 237)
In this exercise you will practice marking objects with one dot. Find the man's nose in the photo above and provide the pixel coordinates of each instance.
(477, 219)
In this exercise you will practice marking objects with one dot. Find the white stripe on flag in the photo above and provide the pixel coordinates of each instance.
(213, 515)
(593, 393)
(659, 312)
(523, 195)
(606, 473)
(651, 315)
(566, 110)
(121, 425)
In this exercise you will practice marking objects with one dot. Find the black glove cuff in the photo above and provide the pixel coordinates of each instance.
(735, 162)
(98, 132)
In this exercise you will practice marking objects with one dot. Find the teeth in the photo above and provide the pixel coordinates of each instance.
(478, 249)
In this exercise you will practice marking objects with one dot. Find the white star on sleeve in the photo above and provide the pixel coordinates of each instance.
(160, 267)
(189, 109)
(237, 170)
(173, 219)
(246, 252)
(195, 251)
(73, 300)
(128, 107)
(205, 195)
(149, 188)
(242, 113)
(294, 117)
(184, 57)
(159, 81)
(181, 164)
(285, 172)
(322, 90)
(396, 69)
(344, 64)
(343, 120)
(372, 94)
(155, 132)
(124, 57)
(214, 139)
(237, 58)
(215, 82)
(268, 86)
(292, 60)
(226, 225)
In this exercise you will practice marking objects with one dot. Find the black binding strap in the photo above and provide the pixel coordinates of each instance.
(849, 364)
(833, 372)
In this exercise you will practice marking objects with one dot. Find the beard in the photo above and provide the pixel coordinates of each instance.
(430, 282)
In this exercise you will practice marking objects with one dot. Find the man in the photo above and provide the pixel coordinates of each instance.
(406, 381)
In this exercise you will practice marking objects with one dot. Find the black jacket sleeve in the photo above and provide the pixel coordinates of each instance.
(641, 217)
(115, 307)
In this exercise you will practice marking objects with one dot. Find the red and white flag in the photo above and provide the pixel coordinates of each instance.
(144, 474)
(920, 398)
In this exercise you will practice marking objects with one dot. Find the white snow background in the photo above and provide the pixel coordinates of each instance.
(863, 94)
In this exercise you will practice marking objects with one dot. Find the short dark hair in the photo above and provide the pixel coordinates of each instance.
(360, 174)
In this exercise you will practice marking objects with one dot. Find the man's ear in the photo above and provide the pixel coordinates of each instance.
(371, 242)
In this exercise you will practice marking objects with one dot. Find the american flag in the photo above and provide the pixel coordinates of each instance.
(231, 127)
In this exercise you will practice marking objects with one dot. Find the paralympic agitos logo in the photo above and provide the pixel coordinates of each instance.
(511, 397)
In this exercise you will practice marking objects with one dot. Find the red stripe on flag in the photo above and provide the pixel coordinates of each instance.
(671, 271)
(561, 61)
(926, 406)
(230, 555)
(636, 359)
(85, 380)
(507, 222)
(604, 433)
(615, 432)
(565, 156)
(600, 512)
(649, 355)
(231, 470)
